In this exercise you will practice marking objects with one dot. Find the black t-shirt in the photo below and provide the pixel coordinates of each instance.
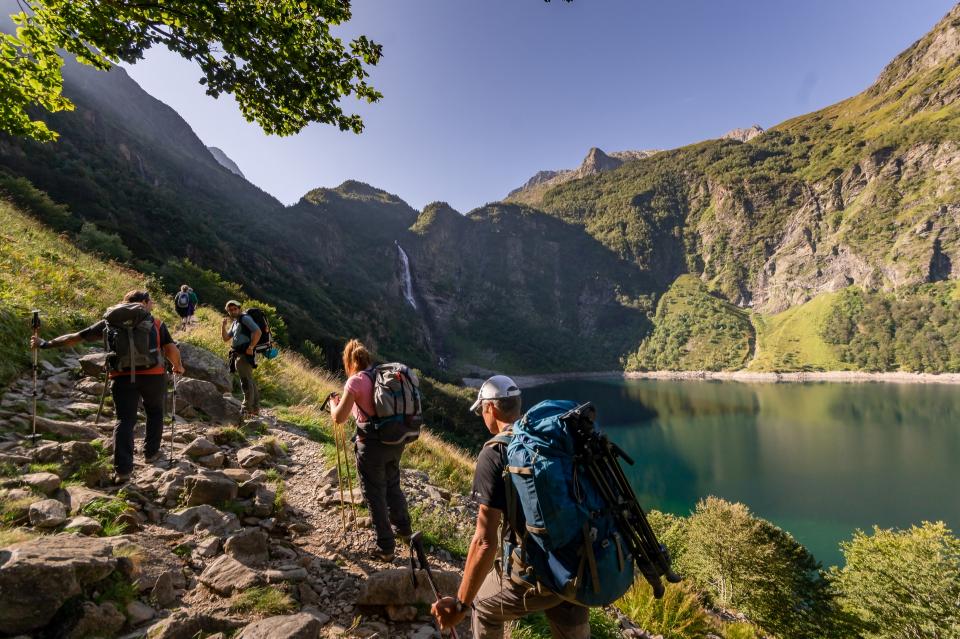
(489, 483)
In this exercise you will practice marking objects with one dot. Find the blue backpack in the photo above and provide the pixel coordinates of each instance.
(571, 545)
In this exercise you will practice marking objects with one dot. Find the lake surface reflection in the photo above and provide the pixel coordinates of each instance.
(817, 459)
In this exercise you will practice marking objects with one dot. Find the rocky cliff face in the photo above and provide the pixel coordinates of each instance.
(743, 135)
(225, 161)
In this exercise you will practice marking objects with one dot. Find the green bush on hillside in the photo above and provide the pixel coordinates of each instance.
(106, 244)
(22, 193)
(902, 583)
(747, 564)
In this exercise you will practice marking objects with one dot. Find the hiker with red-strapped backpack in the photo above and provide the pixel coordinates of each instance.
(137, 347)
(551, 491)
(385, 402)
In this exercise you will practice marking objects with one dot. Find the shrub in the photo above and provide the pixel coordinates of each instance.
(678, 615)
(902, 583)
(106, 244)
(107, 511)
(266, 600)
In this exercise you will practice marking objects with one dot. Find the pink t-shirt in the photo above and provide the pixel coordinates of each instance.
(362, 388)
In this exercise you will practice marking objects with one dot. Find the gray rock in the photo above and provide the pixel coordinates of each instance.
(215, 460)
(203, 365)
(298, 626)
(96, 621)
(212, 488)
(139, 613)
(393, 587)
(237, 474)
(89, 386)
(65, 430)
(188, 625)
(203, 518)
(204, 396)
(93, 364)
(163, 594)
(292, 574)
(263, 501)
(80, 496)
(209, 547)
(47, 452)
(47, 513)
(425, 632)
(249, 547)
(251, 457)
(38, 576)
(226, 575)
(46, 483)
(83, 525)
(402, 613)
(201, 447)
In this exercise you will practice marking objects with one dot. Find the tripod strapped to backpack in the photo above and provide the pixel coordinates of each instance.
(601, 458)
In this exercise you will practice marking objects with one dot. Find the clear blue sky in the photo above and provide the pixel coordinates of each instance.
(481, 94)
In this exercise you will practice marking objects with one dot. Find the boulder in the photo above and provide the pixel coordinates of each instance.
(65, 430)
(249, 547)
(83, 525)
(47, 513)
(102, 620)
(139, 613)
(80, 496)
(263, 501)
(299, 626)
(226, 575)
(204, 396)
(90, 386)
(393, 587)
(38, 576)
(203, 518)
(251, 457)
(212, 488)
(405, 613)
(204, 365)
(209, 547)
(47, 452)
(163, 593)
(200, 447)
(188, 625)
(215, 460)
(93, 364)
(237, 474)
(46, 483)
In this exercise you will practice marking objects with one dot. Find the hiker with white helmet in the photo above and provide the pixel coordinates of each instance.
(495, 598)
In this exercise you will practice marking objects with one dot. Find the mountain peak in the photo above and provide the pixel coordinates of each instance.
(939, 47)
(225, 161)
(743, 135)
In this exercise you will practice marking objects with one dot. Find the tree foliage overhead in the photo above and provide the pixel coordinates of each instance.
(278, 59)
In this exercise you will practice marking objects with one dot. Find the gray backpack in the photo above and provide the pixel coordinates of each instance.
(396, 397)
(131, 338)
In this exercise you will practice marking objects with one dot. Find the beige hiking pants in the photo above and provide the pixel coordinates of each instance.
(498, 603)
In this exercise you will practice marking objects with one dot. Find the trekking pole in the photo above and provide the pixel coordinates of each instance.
(103, 394)
(418, 560)
(35, 324)
(336, 444)
(173, 413)
(346, 461)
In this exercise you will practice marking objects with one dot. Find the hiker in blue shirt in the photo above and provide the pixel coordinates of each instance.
(243, 335)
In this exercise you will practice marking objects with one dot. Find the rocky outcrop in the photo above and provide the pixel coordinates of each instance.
(204, 396)
(743, 135)
(199, 363)
(38, 576)
(225, 161)
(299, 626)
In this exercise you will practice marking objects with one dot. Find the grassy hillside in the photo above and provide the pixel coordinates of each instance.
(694, 330)
(792, 340)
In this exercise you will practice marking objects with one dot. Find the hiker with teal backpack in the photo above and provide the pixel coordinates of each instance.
(137, 346)
(245, 335)
(385, 402)
(558, 526)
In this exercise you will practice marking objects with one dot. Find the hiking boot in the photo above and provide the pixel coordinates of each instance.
(381, 555)
(153, 457)
(120, 478)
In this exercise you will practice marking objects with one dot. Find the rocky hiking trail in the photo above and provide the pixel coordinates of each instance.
(240, 534)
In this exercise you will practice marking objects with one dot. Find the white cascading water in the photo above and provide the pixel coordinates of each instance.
(407, 280)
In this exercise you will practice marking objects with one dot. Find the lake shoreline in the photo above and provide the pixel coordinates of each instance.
(530, 381)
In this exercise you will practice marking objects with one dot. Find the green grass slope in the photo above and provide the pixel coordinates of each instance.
(793, 341)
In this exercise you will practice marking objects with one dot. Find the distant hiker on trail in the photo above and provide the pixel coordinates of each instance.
(139, 344)
(496, 599)
(185, 304)
(243, 334)
(378, 462)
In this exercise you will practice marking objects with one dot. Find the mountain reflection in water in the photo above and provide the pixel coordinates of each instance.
(817, 459)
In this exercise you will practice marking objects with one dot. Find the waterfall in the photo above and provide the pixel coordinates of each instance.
(407, 280)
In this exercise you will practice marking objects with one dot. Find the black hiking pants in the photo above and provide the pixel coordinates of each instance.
(126, 401)
(378, 466)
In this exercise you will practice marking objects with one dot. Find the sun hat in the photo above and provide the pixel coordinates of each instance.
(497, 387)
(232, 303)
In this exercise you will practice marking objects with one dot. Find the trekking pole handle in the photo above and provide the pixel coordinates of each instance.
(35, 322)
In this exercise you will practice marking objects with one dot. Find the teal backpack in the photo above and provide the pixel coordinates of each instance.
(571, 544)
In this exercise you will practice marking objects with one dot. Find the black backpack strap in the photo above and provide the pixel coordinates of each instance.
(510, 492)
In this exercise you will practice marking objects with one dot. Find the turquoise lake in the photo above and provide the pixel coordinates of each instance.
(818, 459)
